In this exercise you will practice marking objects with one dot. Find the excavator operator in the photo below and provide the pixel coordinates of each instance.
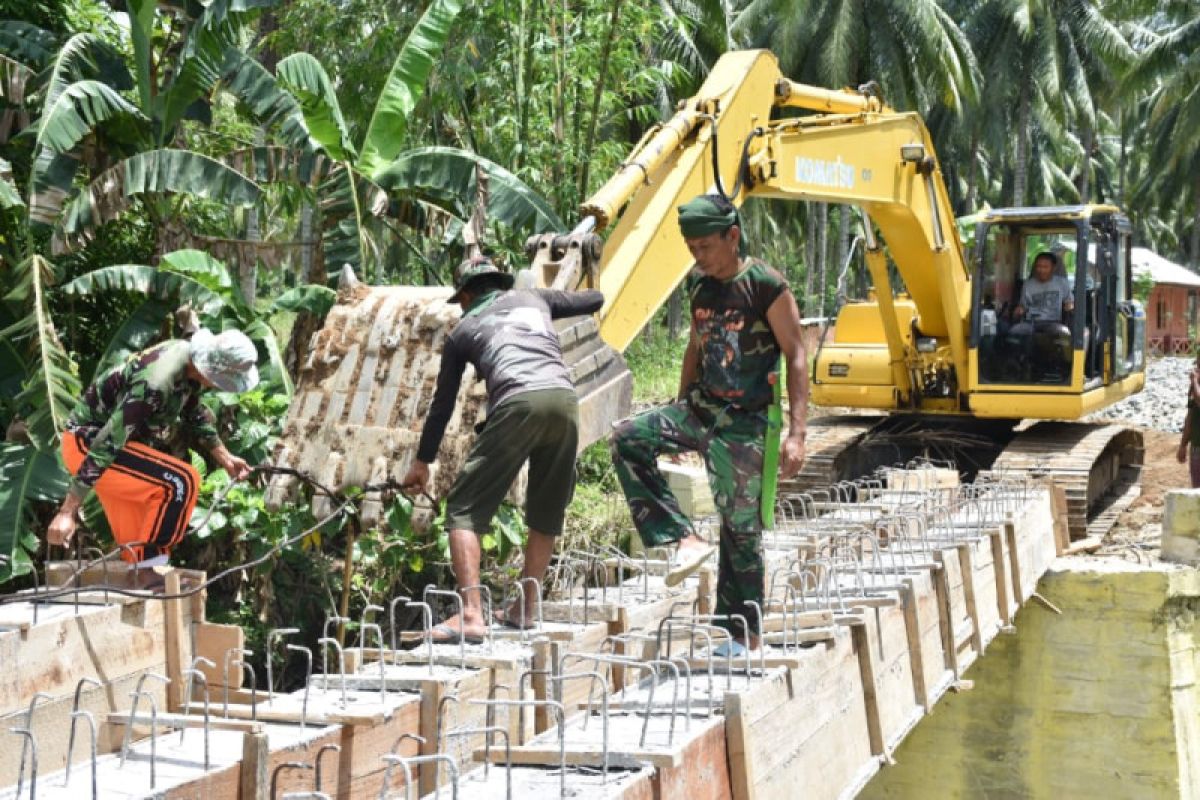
(743, 317)
(1046, 301)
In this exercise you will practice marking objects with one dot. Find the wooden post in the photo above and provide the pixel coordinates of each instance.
(941, 583)
(431, 700)
(912, 628)
(173, 621)
(866, 665)
(968, 579)
(1010, 533)
(1001, 576)
(255, 755)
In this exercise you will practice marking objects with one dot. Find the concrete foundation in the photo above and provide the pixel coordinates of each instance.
(1094, 696)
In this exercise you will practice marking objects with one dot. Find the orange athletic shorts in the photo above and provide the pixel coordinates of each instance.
(147, 496)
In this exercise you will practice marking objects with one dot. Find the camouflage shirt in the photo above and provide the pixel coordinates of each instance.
(149, 399)
(739, 355)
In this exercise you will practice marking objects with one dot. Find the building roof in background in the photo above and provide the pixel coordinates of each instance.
(1161, 270)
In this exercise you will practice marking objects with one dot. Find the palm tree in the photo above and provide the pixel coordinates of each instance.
(1169, 70)
(1047, 64)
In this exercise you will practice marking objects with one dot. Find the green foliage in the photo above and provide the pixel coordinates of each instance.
(30, 479)
(51, 384)
(655, 365)
(405, 84)
(1143, 284)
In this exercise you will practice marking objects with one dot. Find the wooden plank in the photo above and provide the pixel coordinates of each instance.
(968, 579)
(1010, 534)
(1001, 576)
(215, 723)
(946, 619)
(213, 641)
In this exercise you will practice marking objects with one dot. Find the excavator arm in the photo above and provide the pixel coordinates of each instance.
(734, 136)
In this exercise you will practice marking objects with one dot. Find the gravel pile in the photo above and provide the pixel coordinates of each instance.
(1161, 405)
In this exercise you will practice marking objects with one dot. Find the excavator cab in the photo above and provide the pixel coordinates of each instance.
(1075, 331)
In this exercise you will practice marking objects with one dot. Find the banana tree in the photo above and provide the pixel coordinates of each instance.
(365, 185)
(116, 125)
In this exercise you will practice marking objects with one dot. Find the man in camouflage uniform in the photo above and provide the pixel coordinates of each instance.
(128, 439)
(743, 318)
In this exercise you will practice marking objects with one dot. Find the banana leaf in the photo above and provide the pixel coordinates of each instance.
(9, 196)
(14, 77)
(85, 57)
(200, 267)
(77, 110)
(405, 84)
(304, 76)
(445, 177)
(347, 198)
(269, 103)
(152, 172)
(280, 165)
(316, 300)
(51, 386)
(159, 284)
(28, 477)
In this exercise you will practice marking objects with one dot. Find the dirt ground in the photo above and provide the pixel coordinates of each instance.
(1161, 472)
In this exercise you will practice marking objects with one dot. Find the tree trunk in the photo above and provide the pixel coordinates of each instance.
(843, 248)
(675, 314)
(1021, 156)
(972, 172)
(1083, 183)
(1194, 246)
(585, 157)
(1122, 163)
(810, 256)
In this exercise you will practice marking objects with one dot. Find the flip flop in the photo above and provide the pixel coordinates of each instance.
(729, 648)
(444, 634)
(690, 564)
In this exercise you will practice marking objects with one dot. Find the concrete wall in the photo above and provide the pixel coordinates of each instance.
(1100, 701)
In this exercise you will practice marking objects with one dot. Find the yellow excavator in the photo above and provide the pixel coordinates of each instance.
(937, 352)
(939, 345)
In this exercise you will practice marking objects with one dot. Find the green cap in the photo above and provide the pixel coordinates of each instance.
(704, 215)
(473, 268)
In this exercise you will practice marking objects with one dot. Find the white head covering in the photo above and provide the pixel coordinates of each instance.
(227, 359)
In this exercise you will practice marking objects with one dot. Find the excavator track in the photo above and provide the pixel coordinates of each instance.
(1099, 466)
(828, 439)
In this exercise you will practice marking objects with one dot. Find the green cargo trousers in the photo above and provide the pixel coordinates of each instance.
(731, 441)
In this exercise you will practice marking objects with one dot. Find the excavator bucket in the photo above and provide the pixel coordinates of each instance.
(364, 390)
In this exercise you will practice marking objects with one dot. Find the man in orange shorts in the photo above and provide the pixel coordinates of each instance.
(128, 439)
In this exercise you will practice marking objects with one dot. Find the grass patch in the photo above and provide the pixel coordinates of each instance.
(655, 364)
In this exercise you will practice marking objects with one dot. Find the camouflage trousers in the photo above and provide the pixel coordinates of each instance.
(731, 441)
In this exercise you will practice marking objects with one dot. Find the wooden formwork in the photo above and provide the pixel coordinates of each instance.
(822, 728)
(802, 730)
(112, 640)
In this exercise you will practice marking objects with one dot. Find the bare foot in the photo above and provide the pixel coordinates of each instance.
(511, 617)
(469, 626)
